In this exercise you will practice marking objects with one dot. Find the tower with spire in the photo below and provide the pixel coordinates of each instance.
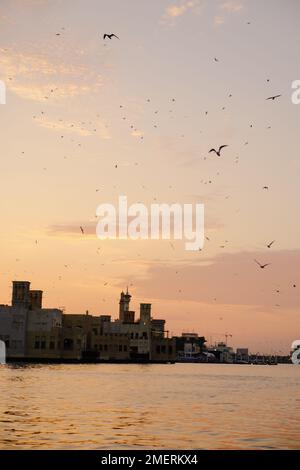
(125, 315)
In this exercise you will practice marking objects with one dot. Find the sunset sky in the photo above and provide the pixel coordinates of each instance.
(154, 103)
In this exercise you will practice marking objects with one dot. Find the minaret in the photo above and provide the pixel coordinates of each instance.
(124, 304)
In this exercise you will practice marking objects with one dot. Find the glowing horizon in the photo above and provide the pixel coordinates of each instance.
(87, 120)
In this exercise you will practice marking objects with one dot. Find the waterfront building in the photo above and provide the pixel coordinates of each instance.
(148, 340)
(27, 329)
(32, 332)
(242, 355)
(222, 352)
(84, 338)
(190, 348)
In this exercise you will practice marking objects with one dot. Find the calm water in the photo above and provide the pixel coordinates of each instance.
(149, 406)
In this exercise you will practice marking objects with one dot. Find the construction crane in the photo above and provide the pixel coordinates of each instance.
(225, 335)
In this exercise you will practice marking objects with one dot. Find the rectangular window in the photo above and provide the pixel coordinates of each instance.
(37, 345)
(52, 345)
(120, 347)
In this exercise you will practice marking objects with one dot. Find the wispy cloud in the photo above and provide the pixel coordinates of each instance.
(38, 77)
(175, 10)
(42, 92)
(66, 126)
(137, 133)
(227, 8)
(219, 20)
(232, 6)
(5, 19)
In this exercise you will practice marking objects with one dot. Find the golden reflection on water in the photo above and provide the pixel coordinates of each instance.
(180, 406)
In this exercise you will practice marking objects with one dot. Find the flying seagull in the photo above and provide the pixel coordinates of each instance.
(262, 266)
(82, 231)
(110, 36)
(218, 152)
(270, 244)
(273, 97)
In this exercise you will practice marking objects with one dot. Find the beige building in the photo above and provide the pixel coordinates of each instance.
(44, 333)
(32, 332)
(147, 340)
(28, 330)
(84, 338)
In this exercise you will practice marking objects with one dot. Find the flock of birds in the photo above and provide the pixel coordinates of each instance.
(218, 151)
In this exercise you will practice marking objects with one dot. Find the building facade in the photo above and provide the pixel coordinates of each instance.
(32, 332)
(26, 328)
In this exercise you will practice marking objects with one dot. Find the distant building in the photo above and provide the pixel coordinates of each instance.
(83, 338)
(27, 328)
(43, 333)
(147, 339)
(242, 355)
(190, 347)
(31, 332)
(222, 352)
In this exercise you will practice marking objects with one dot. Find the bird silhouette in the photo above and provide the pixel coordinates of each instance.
(265, 187)
(273, 97)
(270, 244)
(218, 152)
(82, 231)
(262, 266)
(110, 36)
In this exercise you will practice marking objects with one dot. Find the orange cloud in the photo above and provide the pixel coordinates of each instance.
(176, 10)
(38, 77)
(227, 8)
(99, 130)
(232, 6)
